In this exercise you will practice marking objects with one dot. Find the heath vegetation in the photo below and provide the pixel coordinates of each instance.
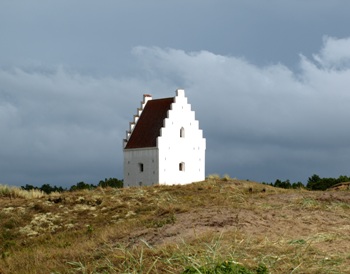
(220, 225)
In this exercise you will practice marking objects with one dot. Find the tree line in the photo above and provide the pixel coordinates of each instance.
(47, 188)
(314, 182)
(286, 184)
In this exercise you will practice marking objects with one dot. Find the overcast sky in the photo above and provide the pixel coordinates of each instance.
(269, 81)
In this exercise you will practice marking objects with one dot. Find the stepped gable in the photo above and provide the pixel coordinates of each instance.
(148, 126)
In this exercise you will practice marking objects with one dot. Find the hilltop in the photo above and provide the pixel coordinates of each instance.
(166, 229)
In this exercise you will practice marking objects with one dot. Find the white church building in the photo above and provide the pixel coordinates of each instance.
(164, 144)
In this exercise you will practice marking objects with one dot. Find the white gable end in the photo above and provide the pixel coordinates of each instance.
(181, 145)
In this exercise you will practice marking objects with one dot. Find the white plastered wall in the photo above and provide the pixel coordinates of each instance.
(188, 150)
(133, 175)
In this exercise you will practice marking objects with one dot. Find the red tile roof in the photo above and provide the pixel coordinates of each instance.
(148, 126)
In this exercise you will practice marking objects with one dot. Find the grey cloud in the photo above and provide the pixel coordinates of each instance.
(335, 54)
(261, 123)
(62, 125)
(260, 115)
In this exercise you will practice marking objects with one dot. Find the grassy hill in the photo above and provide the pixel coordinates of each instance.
(176, 229)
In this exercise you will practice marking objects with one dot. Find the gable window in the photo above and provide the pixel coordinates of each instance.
(141, 167)
(182, 166)
(182, 132)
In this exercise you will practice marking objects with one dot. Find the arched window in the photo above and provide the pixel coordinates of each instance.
(182, 166)
(182, 132)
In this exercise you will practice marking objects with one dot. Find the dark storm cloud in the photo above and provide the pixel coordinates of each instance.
(61, 125)
(70, 83)
(96, 36)
(260, 123)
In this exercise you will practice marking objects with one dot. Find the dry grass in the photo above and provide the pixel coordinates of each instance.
(16, 192)
(163, 229)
